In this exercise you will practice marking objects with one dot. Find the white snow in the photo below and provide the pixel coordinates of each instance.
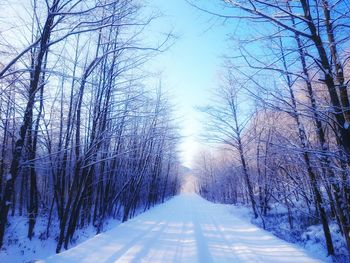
(186, 229)
(19, 249)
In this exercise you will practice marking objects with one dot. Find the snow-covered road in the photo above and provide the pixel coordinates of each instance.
(185, 229)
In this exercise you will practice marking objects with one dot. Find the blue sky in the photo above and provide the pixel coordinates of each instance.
(190, 68)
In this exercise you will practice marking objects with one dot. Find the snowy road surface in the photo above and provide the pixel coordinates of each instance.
(185, 229)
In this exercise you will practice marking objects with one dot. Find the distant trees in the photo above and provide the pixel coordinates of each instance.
(300, 132)
(227, 125)
(217, 180)
(82, 139)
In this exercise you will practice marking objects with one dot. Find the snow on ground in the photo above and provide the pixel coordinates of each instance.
(186, 229)
(18, 248)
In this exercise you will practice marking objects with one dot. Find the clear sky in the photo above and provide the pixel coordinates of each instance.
(190, 68)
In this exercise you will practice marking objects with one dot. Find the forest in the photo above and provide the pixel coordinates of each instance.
(89, 134)
(280, 118)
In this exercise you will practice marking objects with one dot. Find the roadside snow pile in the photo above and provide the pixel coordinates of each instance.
(18, 248)
(313, 240)
(297, 227)
(241, 211)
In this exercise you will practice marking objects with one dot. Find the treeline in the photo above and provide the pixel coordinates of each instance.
(282, 113)
(83, 138)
